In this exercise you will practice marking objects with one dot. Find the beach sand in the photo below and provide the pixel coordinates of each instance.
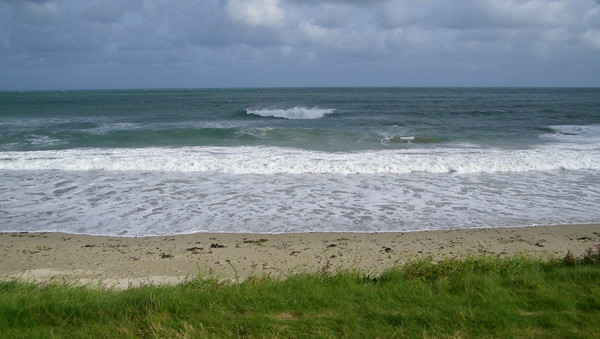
(119, 262)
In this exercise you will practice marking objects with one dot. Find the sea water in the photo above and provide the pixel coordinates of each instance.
(157, 162)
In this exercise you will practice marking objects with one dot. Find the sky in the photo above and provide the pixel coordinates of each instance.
(106, 44)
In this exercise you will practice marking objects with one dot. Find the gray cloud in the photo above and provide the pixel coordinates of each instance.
(285, 42)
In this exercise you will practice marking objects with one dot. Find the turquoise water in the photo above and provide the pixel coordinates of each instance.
(327, 119)
(141, 162)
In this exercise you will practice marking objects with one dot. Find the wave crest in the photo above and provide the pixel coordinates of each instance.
(573, 133)
(294, 113)
(275, 160)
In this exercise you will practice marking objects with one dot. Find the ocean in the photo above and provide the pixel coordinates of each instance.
(278, 160)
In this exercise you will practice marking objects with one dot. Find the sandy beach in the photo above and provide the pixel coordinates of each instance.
(121, 262)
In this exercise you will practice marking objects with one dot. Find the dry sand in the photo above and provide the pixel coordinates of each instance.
(131, 262)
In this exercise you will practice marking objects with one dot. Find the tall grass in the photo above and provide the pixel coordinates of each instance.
(472, 298)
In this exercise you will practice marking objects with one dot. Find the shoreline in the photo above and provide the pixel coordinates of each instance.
(125, 262)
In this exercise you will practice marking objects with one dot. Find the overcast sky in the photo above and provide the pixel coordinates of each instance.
(78, 44)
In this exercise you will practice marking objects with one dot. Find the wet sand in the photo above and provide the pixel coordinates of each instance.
(118, 262)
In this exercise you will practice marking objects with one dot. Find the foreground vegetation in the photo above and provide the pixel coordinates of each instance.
(472, 298)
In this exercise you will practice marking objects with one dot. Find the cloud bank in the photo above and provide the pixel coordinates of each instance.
(46, 44)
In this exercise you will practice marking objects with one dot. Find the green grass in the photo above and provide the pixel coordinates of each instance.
(473, 298)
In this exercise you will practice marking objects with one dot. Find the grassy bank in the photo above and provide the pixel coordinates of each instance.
(475, 297)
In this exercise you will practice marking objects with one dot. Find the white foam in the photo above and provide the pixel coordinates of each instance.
(43, 140)
(394, 134)
(257, 132)
(277, 160)
(151, 203)
(297, 112)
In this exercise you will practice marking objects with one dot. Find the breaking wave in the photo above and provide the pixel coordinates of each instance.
(277, 160)
(573, 133)
(294, 113)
